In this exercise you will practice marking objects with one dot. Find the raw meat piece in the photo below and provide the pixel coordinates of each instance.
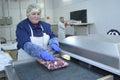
(52, 65)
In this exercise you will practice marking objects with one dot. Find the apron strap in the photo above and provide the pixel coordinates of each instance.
(31, 30)
(42, 28)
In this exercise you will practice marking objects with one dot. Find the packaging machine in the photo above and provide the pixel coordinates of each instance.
(102, 51)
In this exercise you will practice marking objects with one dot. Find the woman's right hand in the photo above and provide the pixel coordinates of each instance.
(46, 55)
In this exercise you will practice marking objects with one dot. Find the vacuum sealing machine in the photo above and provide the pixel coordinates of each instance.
(102, 51)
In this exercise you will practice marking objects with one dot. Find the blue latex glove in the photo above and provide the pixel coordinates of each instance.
(55, 47)
(46, 56)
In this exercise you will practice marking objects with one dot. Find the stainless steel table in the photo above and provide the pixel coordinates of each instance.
(102, 51)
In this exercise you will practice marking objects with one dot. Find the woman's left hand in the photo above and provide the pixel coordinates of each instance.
(55, 47)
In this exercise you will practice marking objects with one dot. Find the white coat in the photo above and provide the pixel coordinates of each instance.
(61, 31)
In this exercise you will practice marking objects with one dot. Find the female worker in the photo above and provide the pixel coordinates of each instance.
(33, 36)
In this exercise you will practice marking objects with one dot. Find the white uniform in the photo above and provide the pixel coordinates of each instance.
(61, 31)
(41, 41)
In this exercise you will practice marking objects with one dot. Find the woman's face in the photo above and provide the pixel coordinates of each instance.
(34, 16)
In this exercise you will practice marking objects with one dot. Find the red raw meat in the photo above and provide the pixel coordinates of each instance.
(52, 65)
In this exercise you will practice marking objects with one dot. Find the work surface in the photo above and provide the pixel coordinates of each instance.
(102, 51)
(34, 71)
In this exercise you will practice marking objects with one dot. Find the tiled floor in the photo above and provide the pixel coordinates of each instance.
(13, 54)
(4, 78)
(2, 75)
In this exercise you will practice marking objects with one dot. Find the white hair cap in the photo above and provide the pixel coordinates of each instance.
(33, 6)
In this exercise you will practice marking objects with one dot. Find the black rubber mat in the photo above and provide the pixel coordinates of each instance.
(36, 71)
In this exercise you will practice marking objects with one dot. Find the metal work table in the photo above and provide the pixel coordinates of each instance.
(102, 51)
(32, 70)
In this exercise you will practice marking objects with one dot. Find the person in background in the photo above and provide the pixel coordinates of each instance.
(34, 36)
(61, 29)
(61, 34)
